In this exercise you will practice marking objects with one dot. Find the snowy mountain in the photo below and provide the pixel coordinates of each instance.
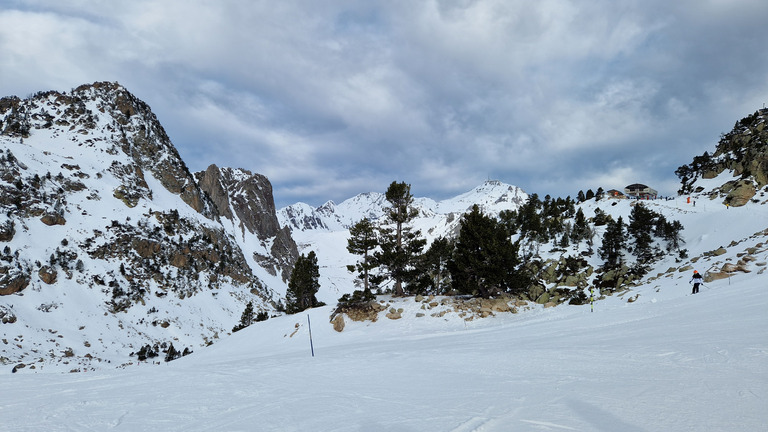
(492, 197)
(109, 244)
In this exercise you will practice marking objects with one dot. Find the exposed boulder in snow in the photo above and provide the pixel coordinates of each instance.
(48, 274)
(738, 193)
(11, 283)
(7, 231)
(53, 219)
(338, 323)
(367, 311)
(395, 314)
(6, 315)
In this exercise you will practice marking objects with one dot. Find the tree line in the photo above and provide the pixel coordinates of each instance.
(482, 260)
(490, 255)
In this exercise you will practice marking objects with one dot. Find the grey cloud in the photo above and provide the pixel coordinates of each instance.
(336, 99)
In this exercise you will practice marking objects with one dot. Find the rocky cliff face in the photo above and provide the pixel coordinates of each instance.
(245, 199)
(102, 226)
(742, 152)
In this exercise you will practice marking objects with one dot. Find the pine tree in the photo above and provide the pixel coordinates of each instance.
(303, 284)
(672, 235)
(580, 229)
(641, 223)
(590, 194)
(581, 197)
(614, 242)
(599, 194)
(362, 241)
(400, 247)
(435, 276)
(485, 262)
(246, 318)
(172, 354)
(601, 218)
(529, 223)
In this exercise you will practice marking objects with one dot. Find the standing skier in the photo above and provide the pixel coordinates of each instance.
(696, 281)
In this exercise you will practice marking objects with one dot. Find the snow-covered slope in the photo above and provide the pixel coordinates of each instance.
(667, 361)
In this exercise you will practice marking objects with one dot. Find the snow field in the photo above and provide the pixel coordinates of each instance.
(675, 362)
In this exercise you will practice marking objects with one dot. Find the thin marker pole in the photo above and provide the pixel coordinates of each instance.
(311, 346)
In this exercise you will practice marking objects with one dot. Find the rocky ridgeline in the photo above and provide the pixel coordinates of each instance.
(743, 152)
(95, 197)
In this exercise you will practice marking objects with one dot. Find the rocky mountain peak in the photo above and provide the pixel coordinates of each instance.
(101, 218)
(109, 115)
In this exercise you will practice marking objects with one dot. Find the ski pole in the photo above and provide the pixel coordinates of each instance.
(311, 345)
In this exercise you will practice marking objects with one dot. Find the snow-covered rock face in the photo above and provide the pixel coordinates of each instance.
(108, 242)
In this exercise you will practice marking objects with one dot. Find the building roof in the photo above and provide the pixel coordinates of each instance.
(636, 186)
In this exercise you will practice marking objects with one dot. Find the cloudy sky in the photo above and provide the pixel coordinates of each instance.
(333, 98)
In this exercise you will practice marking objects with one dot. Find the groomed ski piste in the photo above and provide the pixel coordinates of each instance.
(667, 361)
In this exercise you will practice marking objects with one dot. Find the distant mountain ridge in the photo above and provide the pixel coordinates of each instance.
(492, 197)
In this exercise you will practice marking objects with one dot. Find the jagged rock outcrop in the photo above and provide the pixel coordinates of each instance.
(239, 193)
(7, 231)
(143, 138)
(743, 152)
(246, 200)
(737, 193)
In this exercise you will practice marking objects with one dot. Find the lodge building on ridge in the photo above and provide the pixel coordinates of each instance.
(640, 191)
